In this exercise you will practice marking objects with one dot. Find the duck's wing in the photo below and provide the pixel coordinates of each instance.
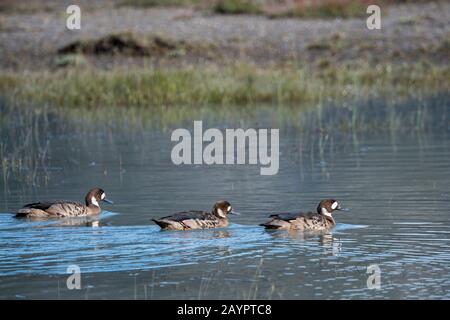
(187, 215)
(38, 205)
(284, 220)
(187, 220)
(289, 216)
(36, 210)
(68, 208)
(55, 208)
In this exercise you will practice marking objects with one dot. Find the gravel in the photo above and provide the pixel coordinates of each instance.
(410, 32)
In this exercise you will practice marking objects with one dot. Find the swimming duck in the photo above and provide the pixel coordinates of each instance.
(60, 209)
(188, 220)
(322, 220)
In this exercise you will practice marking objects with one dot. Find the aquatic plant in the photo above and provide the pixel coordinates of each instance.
(24, 147)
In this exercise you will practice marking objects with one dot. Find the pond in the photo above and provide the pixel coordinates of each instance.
(389, 164)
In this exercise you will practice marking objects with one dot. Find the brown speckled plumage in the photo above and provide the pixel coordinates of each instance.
(188, 220)
(313, 221)
(60, 209)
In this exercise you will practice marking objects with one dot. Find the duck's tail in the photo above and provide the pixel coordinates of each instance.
(30, 212)
(160, 223)
(166, 224)
(22, 213)
(35, 214)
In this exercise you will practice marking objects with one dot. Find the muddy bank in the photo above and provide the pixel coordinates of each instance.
(33, 40)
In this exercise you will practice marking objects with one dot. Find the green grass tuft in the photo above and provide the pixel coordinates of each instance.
(324, 9)
(237, 7)
(227, 85)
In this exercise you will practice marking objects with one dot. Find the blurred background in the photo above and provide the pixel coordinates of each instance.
(364, 117)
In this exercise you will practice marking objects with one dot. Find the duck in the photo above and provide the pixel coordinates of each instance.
(61, 209)
(309, 221)
(188, 220)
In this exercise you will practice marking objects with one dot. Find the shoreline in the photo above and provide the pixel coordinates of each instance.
(173, 56)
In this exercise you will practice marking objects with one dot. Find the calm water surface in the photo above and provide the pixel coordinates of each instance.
(396, 184)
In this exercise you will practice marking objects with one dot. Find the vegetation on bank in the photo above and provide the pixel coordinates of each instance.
(238, 7)
(133, 44)
(158, 3)
(126, 100)
(240, 84)
(322, 9)
(274, 9)
(271, 8)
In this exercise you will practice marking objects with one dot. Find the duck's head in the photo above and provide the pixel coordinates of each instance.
(95, 196)
(223, 208)
(326, 207)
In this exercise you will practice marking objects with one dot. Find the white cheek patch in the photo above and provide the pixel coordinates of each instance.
(325, 212)
(94, 202)
(220, 211)
(103, 196)
(229, 209)
(334, 205)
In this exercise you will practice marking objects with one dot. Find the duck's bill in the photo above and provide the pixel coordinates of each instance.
(234, 212)
(108, 201)
(343, 209)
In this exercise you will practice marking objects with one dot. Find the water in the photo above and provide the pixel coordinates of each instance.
(395, 182)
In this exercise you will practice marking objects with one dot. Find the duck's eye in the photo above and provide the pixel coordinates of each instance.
(229, 208)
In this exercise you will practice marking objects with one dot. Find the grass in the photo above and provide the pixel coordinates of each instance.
(70, 60)
(35, 107)
(323, 9)
(240, 84)
(273, 9)
(219, 6)
(28, 160)
(24, 7)
(237, 7)
(319, 45)
(160, 3)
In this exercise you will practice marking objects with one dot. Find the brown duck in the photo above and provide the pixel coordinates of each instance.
(217, 218)
(61, 209)
(313, 221)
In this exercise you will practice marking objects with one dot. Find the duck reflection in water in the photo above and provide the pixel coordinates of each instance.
(210, 234)
(43, 222)
(331, 245)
